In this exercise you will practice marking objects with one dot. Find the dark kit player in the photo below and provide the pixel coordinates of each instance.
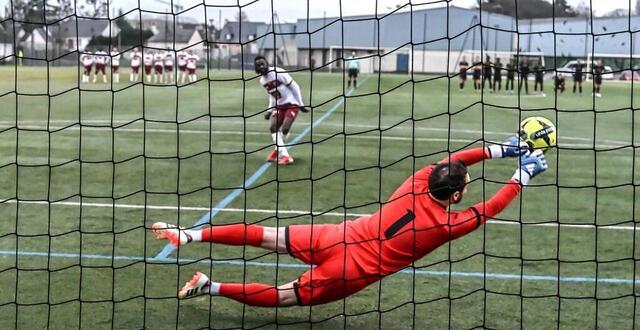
(539, 71)
(524, 75)
(486, 72)
(497, 75)
(598, 70)
(577, 76)
(511, 75)
(464, 66)
(477, 73)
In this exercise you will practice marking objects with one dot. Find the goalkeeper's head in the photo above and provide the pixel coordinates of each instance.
(448, 182)
(261, 65)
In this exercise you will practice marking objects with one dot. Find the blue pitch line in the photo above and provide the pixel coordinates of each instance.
(494, 276)
(166, 251)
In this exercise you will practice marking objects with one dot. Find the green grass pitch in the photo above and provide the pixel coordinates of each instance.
(167, 153)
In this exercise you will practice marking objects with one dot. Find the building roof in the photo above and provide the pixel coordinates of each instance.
(166, 34)
(235, 32)
(82, 27)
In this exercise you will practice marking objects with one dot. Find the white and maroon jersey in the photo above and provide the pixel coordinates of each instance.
(115, 58)
(168, 58)
(277, 82)
(158, 59)
(192, 61)
(148, 59)
(87, 59)
(100, 57)
(182, 58)
(135, 58)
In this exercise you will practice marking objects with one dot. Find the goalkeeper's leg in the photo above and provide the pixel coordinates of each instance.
(253, 294)
(269, 238)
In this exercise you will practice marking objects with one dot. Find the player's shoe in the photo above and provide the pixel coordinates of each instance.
(195, 286)
(273, 156)
(177, 236)
(285, 160)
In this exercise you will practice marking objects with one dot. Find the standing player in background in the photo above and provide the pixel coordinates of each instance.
(192, 65)
(101, 63)
(539, 70)
(511, 75)
(148, 64)
(598, 70)
(352, 255)
(168, 65)
(464, 66)
(87, 63)
(497, 75)
(136, 59)
(182, 66)
(486, 72)
(354, 68)
(524, 75)
(285, 100)
(115, 65)
(477, 73)
(158, 65)
(577, 76)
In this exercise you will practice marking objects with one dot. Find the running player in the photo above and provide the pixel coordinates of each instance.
(169, 60)
(598, 70)
(182, 66)
(464, 66)
(148, 64)
(101, 63)
(539, 71)
(486, 72)
(497, 75)
(135, 59)
(511, 75)
(87, 62)
(349, 256)
(524, 75)
(158, 65)
(285, 100)
(354, 68)
(477, 73)
(192, 65)
(577, 76)
(115, 65)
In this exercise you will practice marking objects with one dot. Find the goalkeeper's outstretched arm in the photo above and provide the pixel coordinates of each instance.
(512, 147)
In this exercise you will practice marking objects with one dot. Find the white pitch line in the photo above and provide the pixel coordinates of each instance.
(297, 212)
(402, 127)
(350, 136)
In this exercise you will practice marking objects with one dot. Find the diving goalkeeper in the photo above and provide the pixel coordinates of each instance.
(354, 254)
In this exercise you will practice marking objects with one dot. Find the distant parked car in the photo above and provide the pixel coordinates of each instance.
(629, 75)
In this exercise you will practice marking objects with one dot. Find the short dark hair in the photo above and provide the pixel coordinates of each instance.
(447, 178)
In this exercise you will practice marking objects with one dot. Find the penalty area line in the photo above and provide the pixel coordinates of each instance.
(166, 251)
(410, 271)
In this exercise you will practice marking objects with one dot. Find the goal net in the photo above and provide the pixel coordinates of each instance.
(115, 116)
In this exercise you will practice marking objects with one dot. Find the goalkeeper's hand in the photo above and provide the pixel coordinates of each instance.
(531, 164)
(267, 115)
(512, 147)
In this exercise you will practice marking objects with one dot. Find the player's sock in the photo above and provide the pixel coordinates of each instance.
(580, 89)
(355, 83)
(104, 79)
(253, 294)
(238, 234)
(282, 144)
(349, 84)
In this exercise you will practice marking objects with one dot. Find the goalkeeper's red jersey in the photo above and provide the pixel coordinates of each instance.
(412, 224)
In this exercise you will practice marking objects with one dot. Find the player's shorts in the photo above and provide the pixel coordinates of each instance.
(182, 68)
(147, 69)
(158, 68)
(135, 69)
(286, 111)
(168, 68)
(336, 275)
(497, 77)
(463, 74)
(87, 69)
(597, 79)
(115, 68)
(539, 79)
(191, 71)
(577, 78)
(100, 68)
(353, 73)
(476, 74)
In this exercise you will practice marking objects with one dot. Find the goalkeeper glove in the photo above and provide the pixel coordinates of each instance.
(512, 147)
(531, 164)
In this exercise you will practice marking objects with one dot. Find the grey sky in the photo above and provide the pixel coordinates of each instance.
(290, 10)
